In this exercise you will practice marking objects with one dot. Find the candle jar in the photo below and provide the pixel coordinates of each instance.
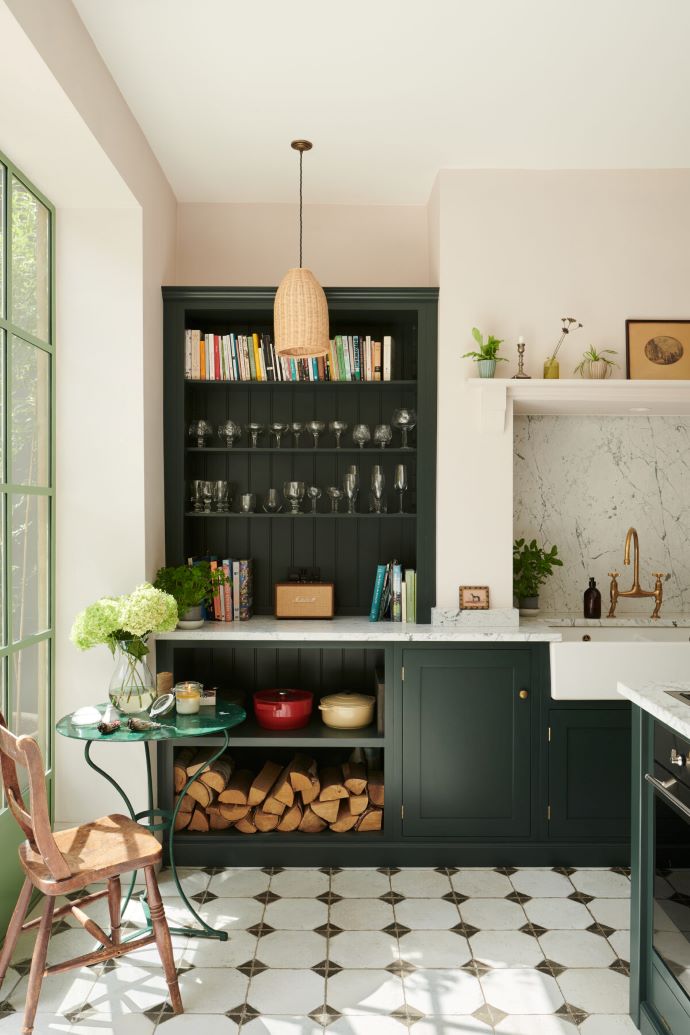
(188, 697)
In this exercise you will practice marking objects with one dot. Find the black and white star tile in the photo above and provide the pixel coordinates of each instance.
(384, 951)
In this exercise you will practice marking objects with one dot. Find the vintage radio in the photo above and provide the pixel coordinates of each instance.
(304, 596)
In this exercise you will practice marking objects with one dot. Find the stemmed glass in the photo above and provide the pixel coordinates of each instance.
(254, 429)
(197, 496)
(316, 428)
(378, 485)
(294, 494)
(383, 435)
(207, 494)
(405, 420)
(400, 483)
(278, 430)
(351, 490)
(271, 504)
(297, 427)
(335, 495)
(200, 430)
(314, 494)
(361, 435)
(221, 495)
(338, 427)
(229, 431)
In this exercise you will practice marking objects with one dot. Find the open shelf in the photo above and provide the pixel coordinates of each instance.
(315, 735)
(308, 451)
(303, 514)
(319, 385)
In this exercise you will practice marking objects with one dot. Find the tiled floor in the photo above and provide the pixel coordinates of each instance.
(363, 952)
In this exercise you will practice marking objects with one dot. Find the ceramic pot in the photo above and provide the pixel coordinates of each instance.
(192, 619)
(598, 370)
(347, 711)
(486, 367)
(283, 709)
(529, 606)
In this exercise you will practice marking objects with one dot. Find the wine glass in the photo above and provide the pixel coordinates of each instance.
(278, 429)
(229, 431)
(207, 495)
(405, 420)
(297, 427)
(314, 494)
(221, 495)
(316, 428)
(294, 494)
(254, 429)
(378, 486)
(338, 427)
(361, 435)
(400, 483)
(272, 504)
(200, 430)
(351, 490)
(197, 496)
(248, 502)
(353, 469)
(335, 495)
(383, 435)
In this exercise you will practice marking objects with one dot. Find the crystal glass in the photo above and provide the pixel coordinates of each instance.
(351, 490)
(378, 487)
(338, 427)
(314, 494)
(361, 435)
(383, 435)
(354, 470)
(405, 420)
(335, 495)
(297, 427)
(278, 430)
(200, 430)
(207, 494)
(197, 494)
(316, 428)
(294, 494)
(272, 504)
(400, 483)
(229, 432)
(221, 495)
(254, 429)
(248, 502)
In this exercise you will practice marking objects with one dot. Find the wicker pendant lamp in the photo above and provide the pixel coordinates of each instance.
(300, 310)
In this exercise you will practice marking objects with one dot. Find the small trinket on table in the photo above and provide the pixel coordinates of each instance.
(188, 697)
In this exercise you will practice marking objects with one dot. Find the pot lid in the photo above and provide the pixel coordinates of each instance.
(347, 699)
(282, 696)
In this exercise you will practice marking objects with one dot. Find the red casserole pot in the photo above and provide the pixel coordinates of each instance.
(283, 709)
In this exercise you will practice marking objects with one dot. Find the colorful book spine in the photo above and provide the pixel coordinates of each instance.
(411, 588)
(358, 357)
(258, 374)
(216, 357)
(387, 358)
(236, 590)
(213, 564)
(188, 354)
(246, 590)
(377, 594)
(227, 590)
(202, 359)
(378, 363)
(396, 594)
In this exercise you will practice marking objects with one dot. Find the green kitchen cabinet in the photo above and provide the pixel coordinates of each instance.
(467, 743)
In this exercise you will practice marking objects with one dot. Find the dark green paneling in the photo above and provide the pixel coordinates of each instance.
(589, 773)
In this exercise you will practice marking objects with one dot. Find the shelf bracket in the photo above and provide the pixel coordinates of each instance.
(493, 406)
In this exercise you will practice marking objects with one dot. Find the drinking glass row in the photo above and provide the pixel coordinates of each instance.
(404, 420)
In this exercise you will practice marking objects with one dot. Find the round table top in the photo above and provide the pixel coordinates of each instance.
(173, 726)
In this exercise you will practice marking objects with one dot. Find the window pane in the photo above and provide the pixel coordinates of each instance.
(28, 711)
(3, 188)
(30, 302)
(30, 527)
(30, 414)
(3, 709)
(3, 587)
(3, 422)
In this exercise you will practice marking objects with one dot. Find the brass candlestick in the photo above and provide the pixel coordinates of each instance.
(521, 362)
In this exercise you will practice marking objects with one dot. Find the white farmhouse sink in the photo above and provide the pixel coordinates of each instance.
(590, 669)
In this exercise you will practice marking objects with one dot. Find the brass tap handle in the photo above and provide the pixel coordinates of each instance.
(659, 574)
(614, 574)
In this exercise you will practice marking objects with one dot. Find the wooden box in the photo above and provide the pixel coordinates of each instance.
(304, 600)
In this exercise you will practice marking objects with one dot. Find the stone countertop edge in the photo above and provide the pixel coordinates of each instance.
(652, 698)
(561, 620)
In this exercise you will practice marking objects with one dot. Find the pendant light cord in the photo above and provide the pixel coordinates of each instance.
(300, 209)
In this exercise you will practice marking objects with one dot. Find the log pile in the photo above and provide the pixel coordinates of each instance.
(298, 796)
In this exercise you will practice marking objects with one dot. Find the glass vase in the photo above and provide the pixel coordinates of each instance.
(551, 368)
(132, 687)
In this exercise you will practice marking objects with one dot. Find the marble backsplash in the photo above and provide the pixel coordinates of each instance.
(580, 482)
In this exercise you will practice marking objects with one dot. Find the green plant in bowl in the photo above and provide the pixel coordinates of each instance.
(487, 357)
(192, 586)
(594, 363)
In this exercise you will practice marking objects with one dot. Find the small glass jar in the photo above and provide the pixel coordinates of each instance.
(188, 697)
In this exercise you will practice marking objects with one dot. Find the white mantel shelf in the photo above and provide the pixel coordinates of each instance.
(616, 397)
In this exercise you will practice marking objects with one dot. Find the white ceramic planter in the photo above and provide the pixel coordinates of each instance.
(598, 370)
(191, 619)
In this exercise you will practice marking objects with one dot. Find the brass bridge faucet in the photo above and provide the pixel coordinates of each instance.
(635, 590)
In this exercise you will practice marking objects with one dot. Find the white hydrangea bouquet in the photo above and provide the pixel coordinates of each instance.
(123, 624)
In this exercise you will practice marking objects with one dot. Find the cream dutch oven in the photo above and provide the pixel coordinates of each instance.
(347, 710)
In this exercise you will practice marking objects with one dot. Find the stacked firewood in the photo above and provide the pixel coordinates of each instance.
(298, 796)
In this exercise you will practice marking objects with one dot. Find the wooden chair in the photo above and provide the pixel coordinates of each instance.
(60, 863)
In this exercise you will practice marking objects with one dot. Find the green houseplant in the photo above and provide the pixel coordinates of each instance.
(487, 357)
(594, 363)
(192, 586)
(532, 565)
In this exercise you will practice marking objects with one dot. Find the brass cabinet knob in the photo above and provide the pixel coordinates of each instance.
(523, 695)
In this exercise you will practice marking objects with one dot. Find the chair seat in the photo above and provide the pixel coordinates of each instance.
(108, 846)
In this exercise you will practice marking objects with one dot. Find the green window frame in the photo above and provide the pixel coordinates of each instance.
(27, 481)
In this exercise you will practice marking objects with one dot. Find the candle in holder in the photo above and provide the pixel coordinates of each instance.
(188, 697)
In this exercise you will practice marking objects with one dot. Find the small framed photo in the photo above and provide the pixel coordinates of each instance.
(474, 598)
(657, 350)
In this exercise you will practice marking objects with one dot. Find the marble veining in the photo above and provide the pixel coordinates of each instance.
(580, 482)
(494, 616)
(652, 698)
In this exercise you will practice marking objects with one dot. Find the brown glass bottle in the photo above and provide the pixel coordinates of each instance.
(592, 601)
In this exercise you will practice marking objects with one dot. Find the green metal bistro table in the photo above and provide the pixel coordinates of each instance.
(208, 721)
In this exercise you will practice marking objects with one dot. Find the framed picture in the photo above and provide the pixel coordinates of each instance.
(474, 598)
(657, 350)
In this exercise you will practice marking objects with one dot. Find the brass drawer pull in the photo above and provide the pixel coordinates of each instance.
(523, 695)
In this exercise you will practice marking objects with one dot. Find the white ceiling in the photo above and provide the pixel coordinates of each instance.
(391, 91)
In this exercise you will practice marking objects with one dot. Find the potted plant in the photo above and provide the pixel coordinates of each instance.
(594, 363)
(192, 586)
(487, 357)
(532, 565)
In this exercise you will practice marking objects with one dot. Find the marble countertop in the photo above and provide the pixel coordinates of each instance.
(624, 621)
(653, 698)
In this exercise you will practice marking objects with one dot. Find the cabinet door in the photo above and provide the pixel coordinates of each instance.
(466, 743)
(589, 773)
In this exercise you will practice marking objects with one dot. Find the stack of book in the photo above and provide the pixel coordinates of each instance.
(234, 601)
(253, 357)
(395, 594)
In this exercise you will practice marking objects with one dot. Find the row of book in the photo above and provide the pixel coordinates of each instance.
(395, 594)
(253, 357)
(234, 601)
